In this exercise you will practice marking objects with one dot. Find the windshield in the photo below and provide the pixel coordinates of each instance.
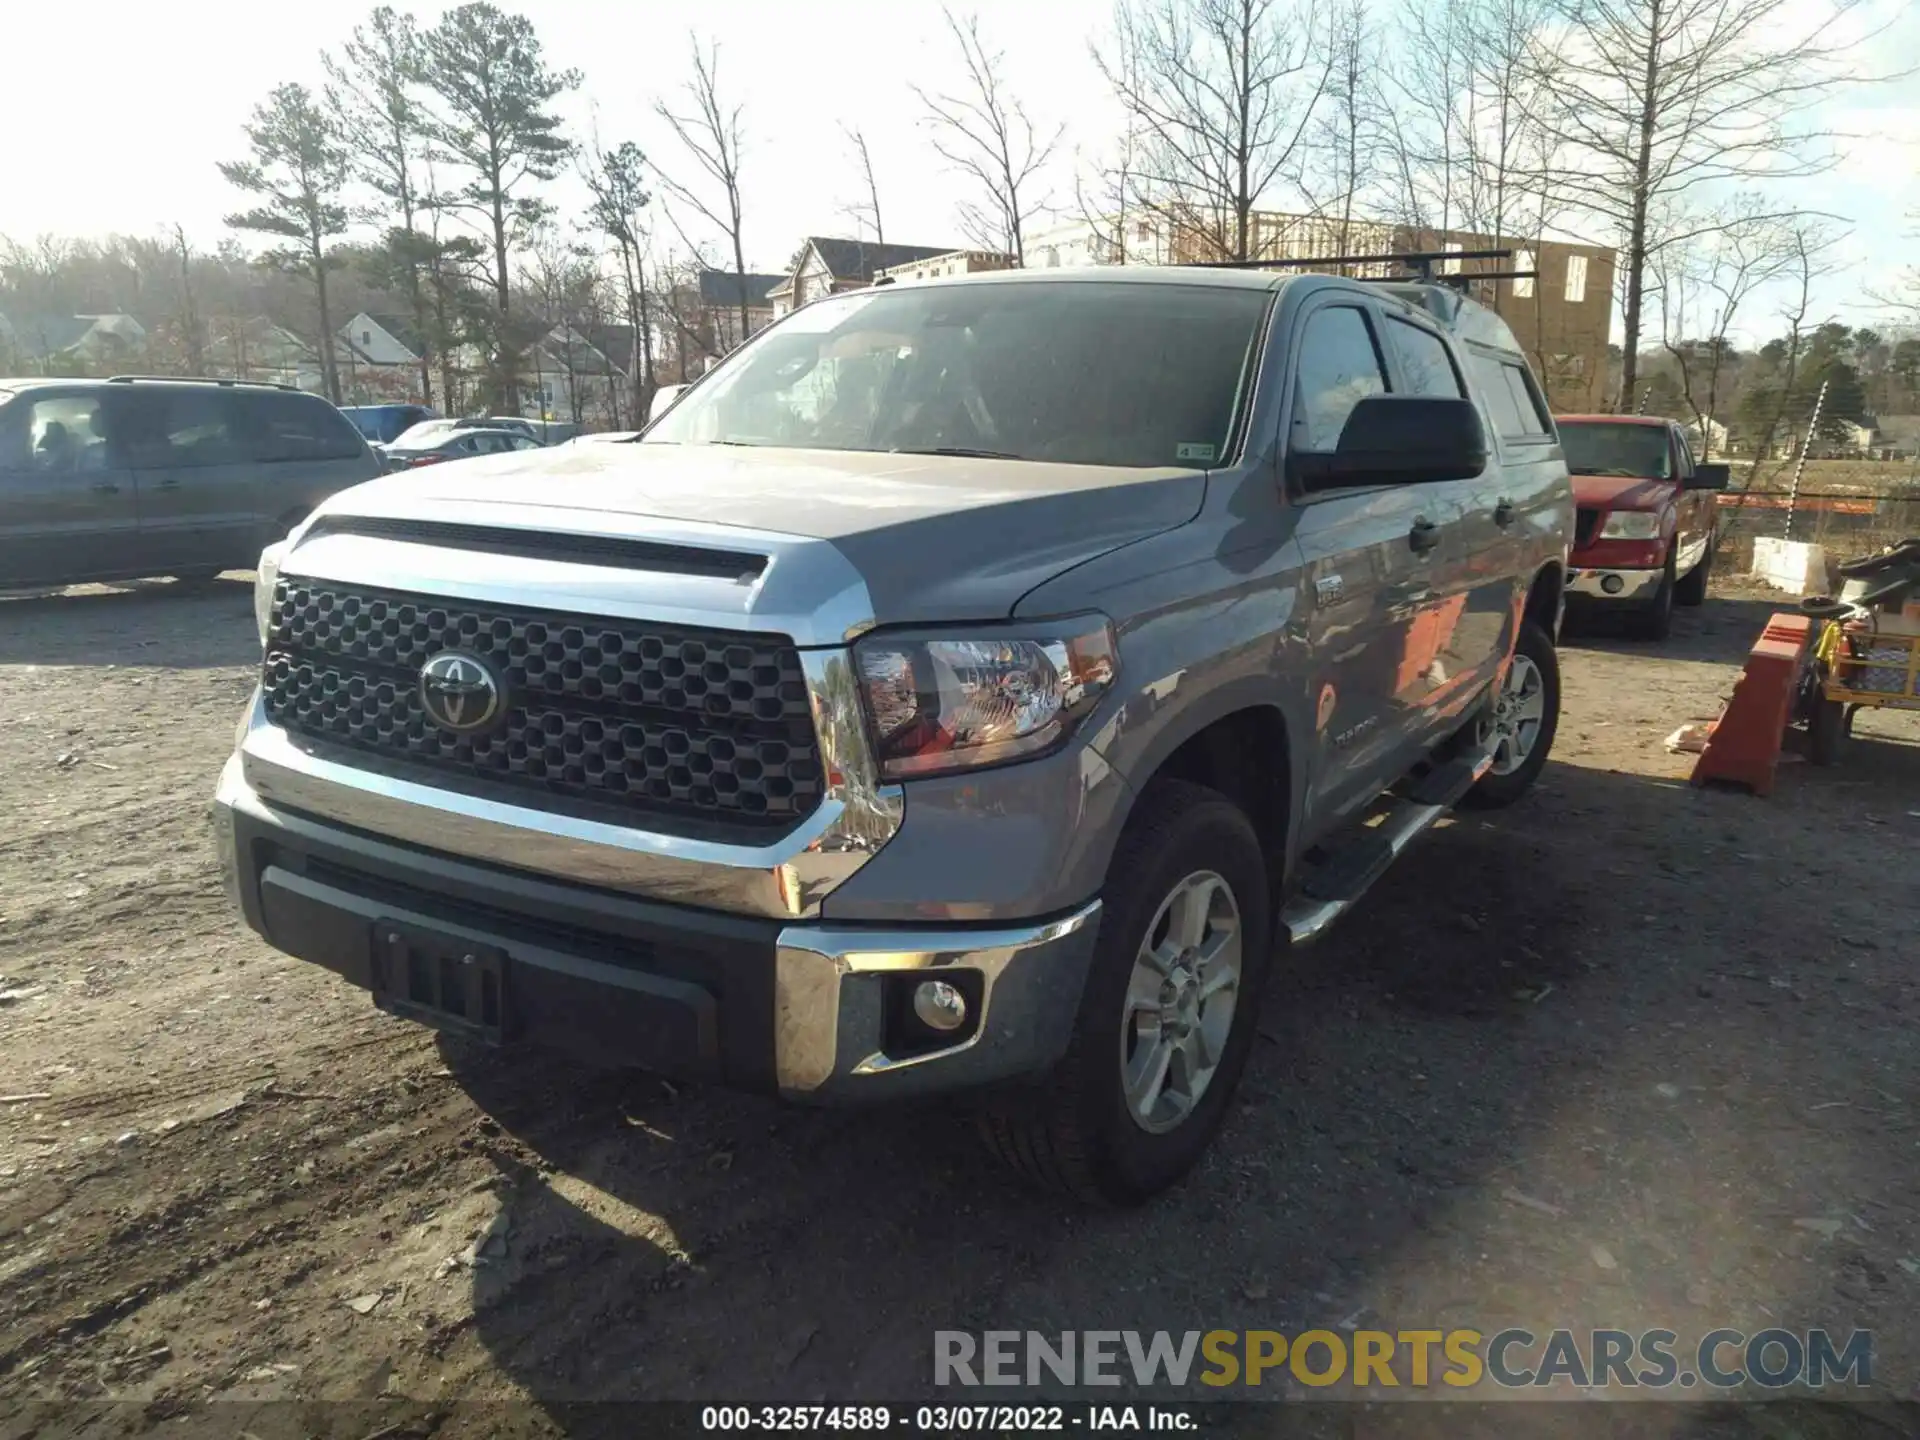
(1616, 449)
(1077, 372)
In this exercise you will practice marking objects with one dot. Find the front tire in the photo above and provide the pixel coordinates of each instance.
(1656, 621)
(1169, 1011)
(1526, 718)
(1692, 590)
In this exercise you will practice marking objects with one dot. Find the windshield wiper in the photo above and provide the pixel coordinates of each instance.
(961, 451)
(1623, 474)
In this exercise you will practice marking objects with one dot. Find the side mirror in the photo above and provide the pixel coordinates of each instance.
(1710, 475)
(1400, 440)
(663, 399)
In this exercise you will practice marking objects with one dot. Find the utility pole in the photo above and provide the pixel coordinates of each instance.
(1800, 467)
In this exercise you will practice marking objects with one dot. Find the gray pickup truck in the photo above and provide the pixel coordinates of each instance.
(966, 685)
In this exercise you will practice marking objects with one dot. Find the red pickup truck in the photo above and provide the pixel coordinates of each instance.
(1644, 517)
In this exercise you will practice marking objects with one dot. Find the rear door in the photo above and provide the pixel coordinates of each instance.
(300, 450)
(1514, 498)
(196, 476)
(1377, 563)
(68, 506)
(1470, 631)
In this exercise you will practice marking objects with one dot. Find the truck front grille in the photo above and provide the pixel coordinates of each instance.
(651, 718)
(1585, 518)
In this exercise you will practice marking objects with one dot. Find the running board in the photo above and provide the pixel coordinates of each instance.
(1337, 884)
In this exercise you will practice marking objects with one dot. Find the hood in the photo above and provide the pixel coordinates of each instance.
(933, 537)
(1622, 492)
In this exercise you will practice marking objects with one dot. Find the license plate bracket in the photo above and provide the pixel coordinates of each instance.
(441, 980)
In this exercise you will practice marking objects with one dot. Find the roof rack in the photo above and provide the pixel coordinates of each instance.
(202, 380)
(1420, 265)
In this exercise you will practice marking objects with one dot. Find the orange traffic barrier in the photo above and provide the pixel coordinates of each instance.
(1743, 745)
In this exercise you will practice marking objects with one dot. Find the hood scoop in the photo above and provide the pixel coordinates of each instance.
(614, 551)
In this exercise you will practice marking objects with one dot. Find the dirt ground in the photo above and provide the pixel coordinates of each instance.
(1631, 1054)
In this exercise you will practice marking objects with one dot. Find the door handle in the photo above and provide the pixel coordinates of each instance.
(1423, 536)
(1503, 513)
(168, 484)
(106, 487)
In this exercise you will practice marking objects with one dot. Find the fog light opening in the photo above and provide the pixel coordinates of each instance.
(1613, 584)
(939, 1006)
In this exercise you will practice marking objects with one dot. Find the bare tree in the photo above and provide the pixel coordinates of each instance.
(1223, 92)
(713, 138)
(984, 132)
(1655, 102)
(191, 333)
(616, 180)
(1345, 136)
(1770, 406)
(1420, 124)
(1703, 283)
(1104, 202)
(1904, 299)
(864, 211)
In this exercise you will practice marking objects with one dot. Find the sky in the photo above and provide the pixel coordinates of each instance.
(132, 136)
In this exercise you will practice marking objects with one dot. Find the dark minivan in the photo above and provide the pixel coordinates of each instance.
(114, 479)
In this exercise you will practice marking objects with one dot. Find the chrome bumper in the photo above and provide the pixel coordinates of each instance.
(785, 878)
(829, 984)
(1624, 586)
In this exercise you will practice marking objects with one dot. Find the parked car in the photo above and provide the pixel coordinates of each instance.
(121, 478)
(431, 445)
(385, 423)
(1644, 527)
(555, 432)
(950, 692)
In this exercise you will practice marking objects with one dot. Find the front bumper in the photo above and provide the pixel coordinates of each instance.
(1615, 586)
(802, 1008)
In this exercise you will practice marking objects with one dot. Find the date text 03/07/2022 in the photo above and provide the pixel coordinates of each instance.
(945, 1419)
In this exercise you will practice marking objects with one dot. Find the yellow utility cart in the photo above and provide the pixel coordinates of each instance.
(1867, 650)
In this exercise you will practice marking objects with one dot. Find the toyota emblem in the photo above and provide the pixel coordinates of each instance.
(459, 693)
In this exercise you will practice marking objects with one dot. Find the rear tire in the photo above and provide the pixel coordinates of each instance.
(1087, 1131)
(1655, 622)
(1827, 729)
(1497, 789)
(1692, 589)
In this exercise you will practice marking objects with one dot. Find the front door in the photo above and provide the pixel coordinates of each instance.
(68, 508)
(1377, 567)
(1696, 512)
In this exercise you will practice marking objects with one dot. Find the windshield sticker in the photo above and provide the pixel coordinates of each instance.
(1202, 453)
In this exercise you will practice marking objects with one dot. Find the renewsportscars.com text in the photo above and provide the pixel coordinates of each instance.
(1376, 1360)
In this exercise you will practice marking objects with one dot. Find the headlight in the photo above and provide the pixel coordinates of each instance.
(1631, 525)
(265, 575)
(939, 704)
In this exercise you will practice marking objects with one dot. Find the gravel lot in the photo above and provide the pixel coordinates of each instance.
(1629, 1055)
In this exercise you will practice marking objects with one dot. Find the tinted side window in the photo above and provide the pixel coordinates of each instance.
(180, 428)
(61, 435)
(1339, 367)
(1424, 361)
(1527, 400)
(277, 426)
(1504, 387)
(1683, 453)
